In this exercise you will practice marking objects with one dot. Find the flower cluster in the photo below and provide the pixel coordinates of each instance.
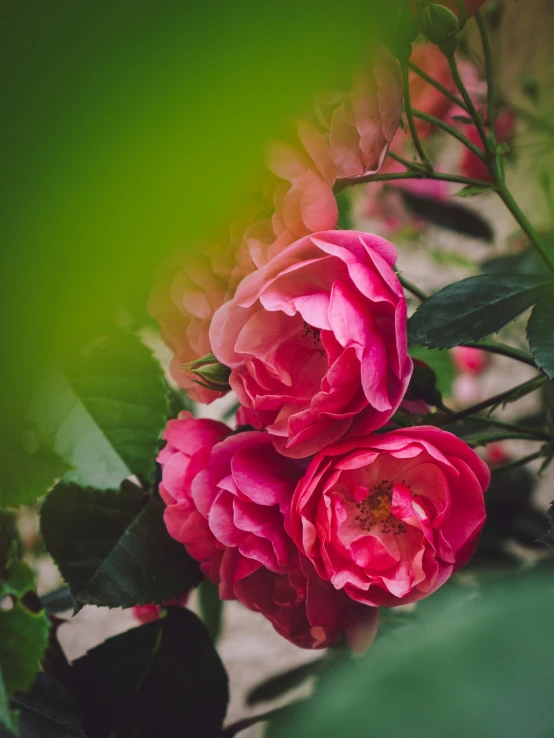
(317, 513)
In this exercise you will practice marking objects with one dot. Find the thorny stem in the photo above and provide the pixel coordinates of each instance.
(469, 102)
(344, 182)
(410, 117)
(513, 427)
(485, 41)
(411, 287)
(523, 221)
(411, 165)
(484, 440)
(437, 85)
(518, 462)
(514, 393)
(453, 132)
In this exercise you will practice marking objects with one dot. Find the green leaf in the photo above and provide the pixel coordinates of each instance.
(211, 607)
(30, 467)
(23, 640)
(471, 191)
(344, 204)
(472, 309)
(48, 710)
(468, 666)
(440, 362)
(8, 534)
(540, 334)
(113, 549)
(6, 719)
(160, 679)
(105, 412)
(23, 634)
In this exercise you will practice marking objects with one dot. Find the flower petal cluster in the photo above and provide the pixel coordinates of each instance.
(388, 518)
(316, 340)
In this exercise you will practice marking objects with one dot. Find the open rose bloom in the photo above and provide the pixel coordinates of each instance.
(227, 498)
(388, 518)
(316, 340)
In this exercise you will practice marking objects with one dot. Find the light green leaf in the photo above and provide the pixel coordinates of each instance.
(29, 468)
(471, 191)
(105, 412)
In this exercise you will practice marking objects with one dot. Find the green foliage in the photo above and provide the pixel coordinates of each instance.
(471, 191)
(440, 362)
(467, 667)
(211, 608)
(161, 679)
(540, 334)
(48, 710)
(23, 634)
(105, 412)
(473, 308)
(29, 468)
(113, 549)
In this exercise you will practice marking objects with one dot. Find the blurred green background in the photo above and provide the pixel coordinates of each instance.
(129, 128)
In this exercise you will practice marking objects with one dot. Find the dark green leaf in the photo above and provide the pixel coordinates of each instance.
(280, 684)
(472, 309)
(29, 468)
(423, 386)
(105, 412)
(113, 549)
(540, 334)
(440, 362)
(48, 710)
(211, 607)
(448, 215)
(471, 191)
(548, 538)
(155, 681)
(471, 666)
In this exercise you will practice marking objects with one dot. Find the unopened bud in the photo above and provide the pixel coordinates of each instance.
(439, 24)
(210, 372)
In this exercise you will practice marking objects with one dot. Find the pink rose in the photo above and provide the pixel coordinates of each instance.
(366, 120)
(305, 201)
(316, 340)
(388, 518)
(185, 296)
(469, 360)
(227, 497)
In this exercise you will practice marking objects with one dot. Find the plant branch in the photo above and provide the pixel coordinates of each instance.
(453, 132)
(411, 287)
(518, 462)
(492, 438)
(487, 52)
(453, 66)
(503, 397)
(513, 427)
(411, 165)
(437, 85)
(410, 117)
(508, 199)
(391, 176)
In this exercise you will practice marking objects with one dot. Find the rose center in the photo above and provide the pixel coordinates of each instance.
(375, 509)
